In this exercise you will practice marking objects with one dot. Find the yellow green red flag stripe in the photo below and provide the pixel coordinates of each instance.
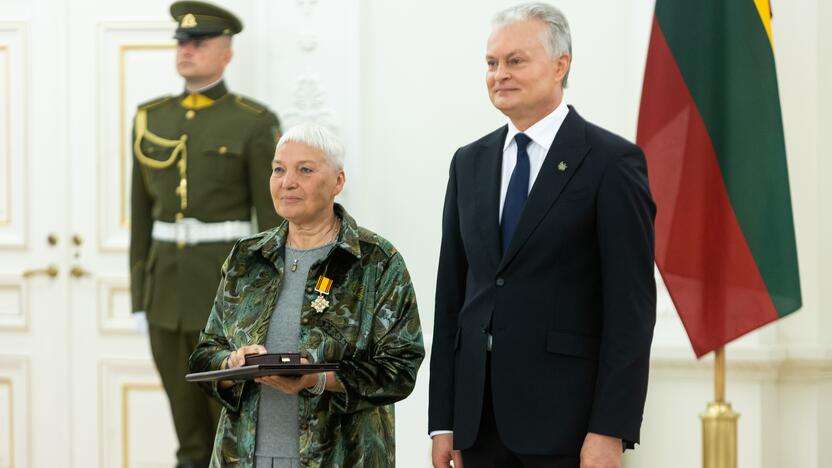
(764, 9)
(710, 125)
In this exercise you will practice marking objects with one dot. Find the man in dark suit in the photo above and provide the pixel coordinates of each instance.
(545, 297)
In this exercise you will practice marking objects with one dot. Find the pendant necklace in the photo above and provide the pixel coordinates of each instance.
(294, 266)
(295, 261)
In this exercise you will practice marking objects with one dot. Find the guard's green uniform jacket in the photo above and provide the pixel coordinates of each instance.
(205, 156)
(371, 327)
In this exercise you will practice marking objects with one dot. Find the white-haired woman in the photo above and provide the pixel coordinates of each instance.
(320, 285)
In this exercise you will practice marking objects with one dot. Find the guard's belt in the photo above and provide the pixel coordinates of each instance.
(194, 231)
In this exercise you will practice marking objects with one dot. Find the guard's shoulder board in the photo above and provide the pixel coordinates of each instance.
(153, 103)
(250, 105)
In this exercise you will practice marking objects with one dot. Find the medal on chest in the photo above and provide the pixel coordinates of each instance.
(322, 288)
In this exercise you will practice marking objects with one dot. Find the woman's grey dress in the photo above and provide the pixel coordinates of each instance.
(277, 433)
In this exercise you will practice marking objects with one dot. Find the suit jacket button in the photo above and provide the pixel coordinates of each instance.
(500, 281)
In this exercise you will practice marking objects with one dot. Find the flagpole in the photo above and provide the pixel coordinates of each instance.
(719, 375)
(719, 423)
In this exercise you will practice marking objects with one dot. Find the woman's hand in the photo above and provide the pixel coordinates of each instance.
(238, 359)
(289, 384)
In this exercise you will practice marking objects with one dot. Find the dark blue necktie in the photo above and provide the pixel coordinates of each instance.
(518, 190)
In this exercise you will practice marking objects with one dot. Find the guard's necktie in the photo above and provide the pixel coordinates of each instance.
(518, 190)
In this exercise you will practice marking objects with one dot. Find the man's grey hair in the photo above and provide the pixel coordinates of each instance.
(557, 40)
(319, 137)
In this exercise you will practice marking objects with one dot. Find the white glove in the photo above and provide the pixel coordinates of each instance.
(140, 322)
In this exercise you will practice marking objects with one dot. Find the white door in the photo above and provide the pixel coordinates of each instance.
(34, 365)
(120, 415)
(77, 386)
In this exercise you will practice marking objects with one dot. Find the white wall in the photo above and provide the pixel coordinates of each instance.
(423, 95)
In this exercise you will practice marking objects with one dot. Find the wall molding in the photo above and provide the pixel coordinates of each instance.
(119, 43)
(14, 89)
(777, 363)
(15, 322)
(118, 381)
(109, 321)
(14, 376)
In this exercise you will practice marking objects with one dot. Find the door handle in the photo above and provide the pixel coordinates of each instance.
(50, 271)
(78, 272)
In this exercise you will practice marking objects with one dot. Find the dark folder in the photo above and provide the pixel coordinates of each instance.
(259, 365)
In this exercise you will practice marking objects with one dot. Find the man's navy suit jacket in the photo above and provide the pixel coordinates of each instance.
(571, 304)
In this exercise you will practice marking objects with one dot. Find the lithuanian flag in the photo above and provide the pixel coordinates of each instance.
(710, 126)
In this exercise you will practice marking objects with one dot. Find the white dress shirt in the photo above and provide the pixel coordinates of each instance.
(204, 88)
(542, 134)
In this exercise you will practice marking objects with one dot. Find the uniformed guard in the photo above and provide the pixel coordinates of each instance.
(201, 163)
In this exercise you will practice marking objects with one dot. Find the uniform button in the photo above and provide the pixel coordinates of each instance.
(500, 281)
(190, 114)
(223, 150)
(305, 321)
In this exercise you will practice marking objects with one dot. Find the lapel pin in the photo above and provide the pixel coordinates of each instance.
(562, 166)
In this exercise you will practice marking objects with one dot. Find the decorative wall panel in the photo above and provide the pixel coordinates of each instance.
(114, 315)
(127, 51)
(14, 91)
(14, 307)
(135, 424)
(15, 415)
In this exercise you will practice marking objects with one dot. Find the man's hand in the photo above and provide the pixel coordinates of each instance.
(600, 451)
(444, 453)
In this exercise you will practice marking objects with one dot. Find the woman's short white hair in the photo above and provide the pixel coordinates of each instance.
(558, 40)
(317, 136)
